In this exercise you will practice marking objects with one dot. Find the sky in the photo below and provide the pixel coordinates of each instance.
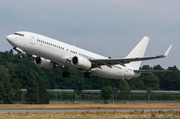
(106, 27)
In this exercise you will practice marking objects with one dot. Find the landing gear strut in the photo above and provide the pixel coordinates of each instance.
(87, 74)
(66, 74)
(20, 55)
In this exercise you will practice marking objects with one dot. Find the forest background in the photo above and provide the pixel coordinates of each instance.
(13, 70)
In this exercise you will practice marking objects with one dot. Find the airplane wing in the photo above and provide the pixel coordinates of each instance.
(123, 61)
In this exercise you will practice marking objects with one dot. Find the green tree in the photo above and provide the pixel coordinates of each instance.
(1, 59)
(150, 81)
(44, 95)
(32, 91)
(106, 93)
(17, 89)
(3, 71)
(2, 91)
(7, 85)
(139, 84)
(172, 79)
(146, 67)
(125, 89)
(160, 76)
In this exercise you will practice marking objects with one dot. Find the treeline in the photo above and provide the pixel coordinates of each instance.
(13, 70)
(13, 67)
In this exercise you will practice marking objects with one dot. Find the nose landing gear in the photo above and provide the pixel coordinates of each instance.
(20, 55)
(18, 50)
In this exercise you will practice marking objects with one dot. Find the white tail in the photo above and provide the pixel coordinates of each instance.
(138, 51)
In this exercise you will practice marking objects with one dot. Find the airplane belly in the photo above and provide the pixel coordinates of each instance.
(112, 73)
(106, 72)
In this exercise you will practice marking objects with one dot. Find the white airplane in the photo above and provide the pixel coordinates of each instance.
(49, 53)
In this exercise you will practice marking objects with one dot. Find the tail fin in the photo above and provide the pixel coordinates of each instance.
(138, 51)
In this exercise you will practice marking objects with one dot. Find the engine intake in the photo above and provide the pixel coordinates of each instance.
(81, 63)
(45, 63)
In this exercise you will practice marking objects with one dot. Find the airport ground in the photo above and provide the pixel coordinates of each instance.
(89, 105)
(94, 115)
(90, 111)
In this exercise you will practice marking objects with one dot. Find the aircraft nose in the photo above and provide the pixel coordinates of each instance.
(9, 38)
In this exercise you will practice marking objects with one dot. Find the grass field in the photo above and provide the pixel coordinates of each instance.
(91, 105)
(94, 115)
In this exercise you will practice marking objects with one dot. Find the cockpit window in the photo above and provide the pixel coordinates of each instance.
(18, 34)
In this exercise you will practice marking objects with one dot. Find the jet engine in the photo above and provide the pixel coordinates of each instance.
(81, 63)
(45, 63)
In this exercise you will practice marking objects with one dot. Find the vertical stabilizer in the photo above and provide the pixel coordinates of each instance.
(138, 51)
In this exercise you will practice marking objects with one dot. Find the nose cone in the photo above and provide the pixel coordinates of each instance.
(9, 38)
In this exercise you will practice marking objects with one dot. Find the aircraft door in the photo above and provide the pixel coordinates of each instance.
(33, 38)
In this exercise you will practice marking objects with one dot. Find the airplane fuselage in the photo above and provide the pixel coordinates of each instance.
(61, 54)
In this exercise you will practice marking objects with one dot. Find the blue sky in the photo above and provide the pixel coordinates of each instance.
(107, 27)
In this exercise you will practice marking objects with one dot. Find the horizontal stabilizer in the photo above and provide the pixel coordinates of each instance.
(153, 71)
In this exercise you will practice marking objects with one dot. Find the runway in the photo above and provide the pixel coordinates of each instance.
(84, 109)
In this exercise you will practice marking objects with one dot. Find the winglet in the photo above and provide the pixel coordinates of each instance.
(167, 51)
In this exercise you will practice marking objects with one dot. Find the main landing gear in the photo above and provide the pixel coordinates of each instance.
(87, 74)
(66, 74)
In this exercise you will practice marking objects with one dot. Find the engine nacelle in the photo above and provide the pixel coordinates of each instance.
(81, 63)
(45, 63)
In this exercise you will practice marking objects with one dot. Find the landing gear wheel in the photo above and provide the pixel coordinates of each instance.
(87, 74)
(19, 56)
(66, 74)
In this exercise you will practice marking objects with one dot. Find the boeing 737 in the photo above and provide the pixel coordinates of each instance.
(49, 53)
